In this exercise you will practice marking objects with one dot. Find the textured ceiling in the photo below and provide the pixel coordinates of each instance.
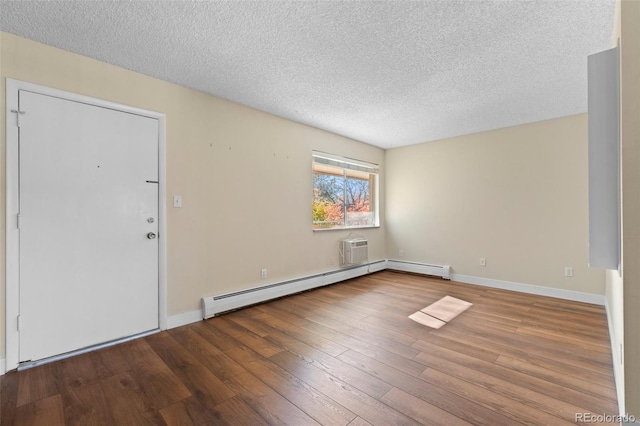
(388, 73)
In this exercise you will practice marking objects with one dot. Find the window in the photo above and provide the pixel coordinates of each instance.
(344, 192)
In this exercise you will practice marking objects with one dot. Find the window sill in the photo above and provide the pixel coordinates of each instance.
(344, 228)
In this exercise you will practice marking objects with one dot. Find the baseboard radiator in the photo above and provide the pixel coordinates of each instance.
(443, 271)
(214, 305)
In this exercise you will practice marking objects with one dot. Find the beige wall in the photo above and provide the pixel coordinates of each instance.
(630, 140)
(516, 196)
(244, 176)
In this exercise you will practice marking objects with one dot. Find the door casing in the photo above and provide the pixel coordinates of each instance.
(12, 257)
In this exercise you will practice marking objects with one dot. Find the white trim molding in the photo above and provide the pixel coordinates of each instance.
(577, 296)
(618, 363)
(3, 366)
(184, 318)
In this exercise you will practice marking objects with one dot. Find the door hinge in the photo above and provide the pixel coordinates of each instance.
(19, 322)
(18, 221)
(18, 113)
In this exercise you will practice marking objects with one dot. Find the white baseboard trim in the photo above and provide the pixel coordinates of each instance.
(596, 299)
(3, 366)
(184, 318)
(618, 371)
(443, 271)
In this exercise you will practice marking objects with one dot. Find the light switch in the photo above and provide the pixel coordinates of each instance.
(177, 201)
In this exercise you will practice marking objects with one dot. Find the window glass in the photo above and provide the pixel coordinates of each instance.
(343, 193)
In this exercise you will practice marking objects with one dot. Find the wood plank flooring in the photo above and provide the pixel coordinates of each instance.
(345, 354)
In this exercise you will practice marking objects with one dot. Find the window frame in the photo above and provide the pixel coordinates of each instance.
(349, 164)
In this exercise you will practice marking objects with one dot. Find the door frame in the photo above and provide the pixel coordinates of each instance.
(12, 256)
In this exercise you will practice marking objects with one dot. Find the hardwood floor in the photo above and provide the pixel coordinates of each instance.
(345, 354)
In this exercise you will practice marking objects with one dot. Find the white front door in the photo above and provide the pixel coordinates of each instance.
(88, 225)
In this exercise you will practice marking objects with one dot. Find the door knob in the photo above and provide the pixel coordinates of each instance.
(151, 235)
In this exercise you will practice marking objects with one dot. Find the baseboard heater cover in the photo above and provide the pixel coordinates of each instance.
(214, 305)
(443, 271)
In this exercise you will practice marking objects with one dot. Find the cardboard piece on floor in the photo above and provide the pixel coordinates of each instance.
(441, 312)
(427, 320)
(447, 308)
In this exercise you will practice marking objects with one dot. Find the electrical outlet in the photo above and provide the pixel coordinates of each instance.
(568, 271)
(400, 253)
(483, 261)
(263, 273)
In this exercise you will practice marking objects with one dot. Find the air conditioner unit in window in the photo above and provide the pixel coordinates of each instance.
(355, 251)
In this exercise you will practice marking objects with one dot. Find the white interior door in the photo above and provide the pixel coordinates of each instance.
(88, 197)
